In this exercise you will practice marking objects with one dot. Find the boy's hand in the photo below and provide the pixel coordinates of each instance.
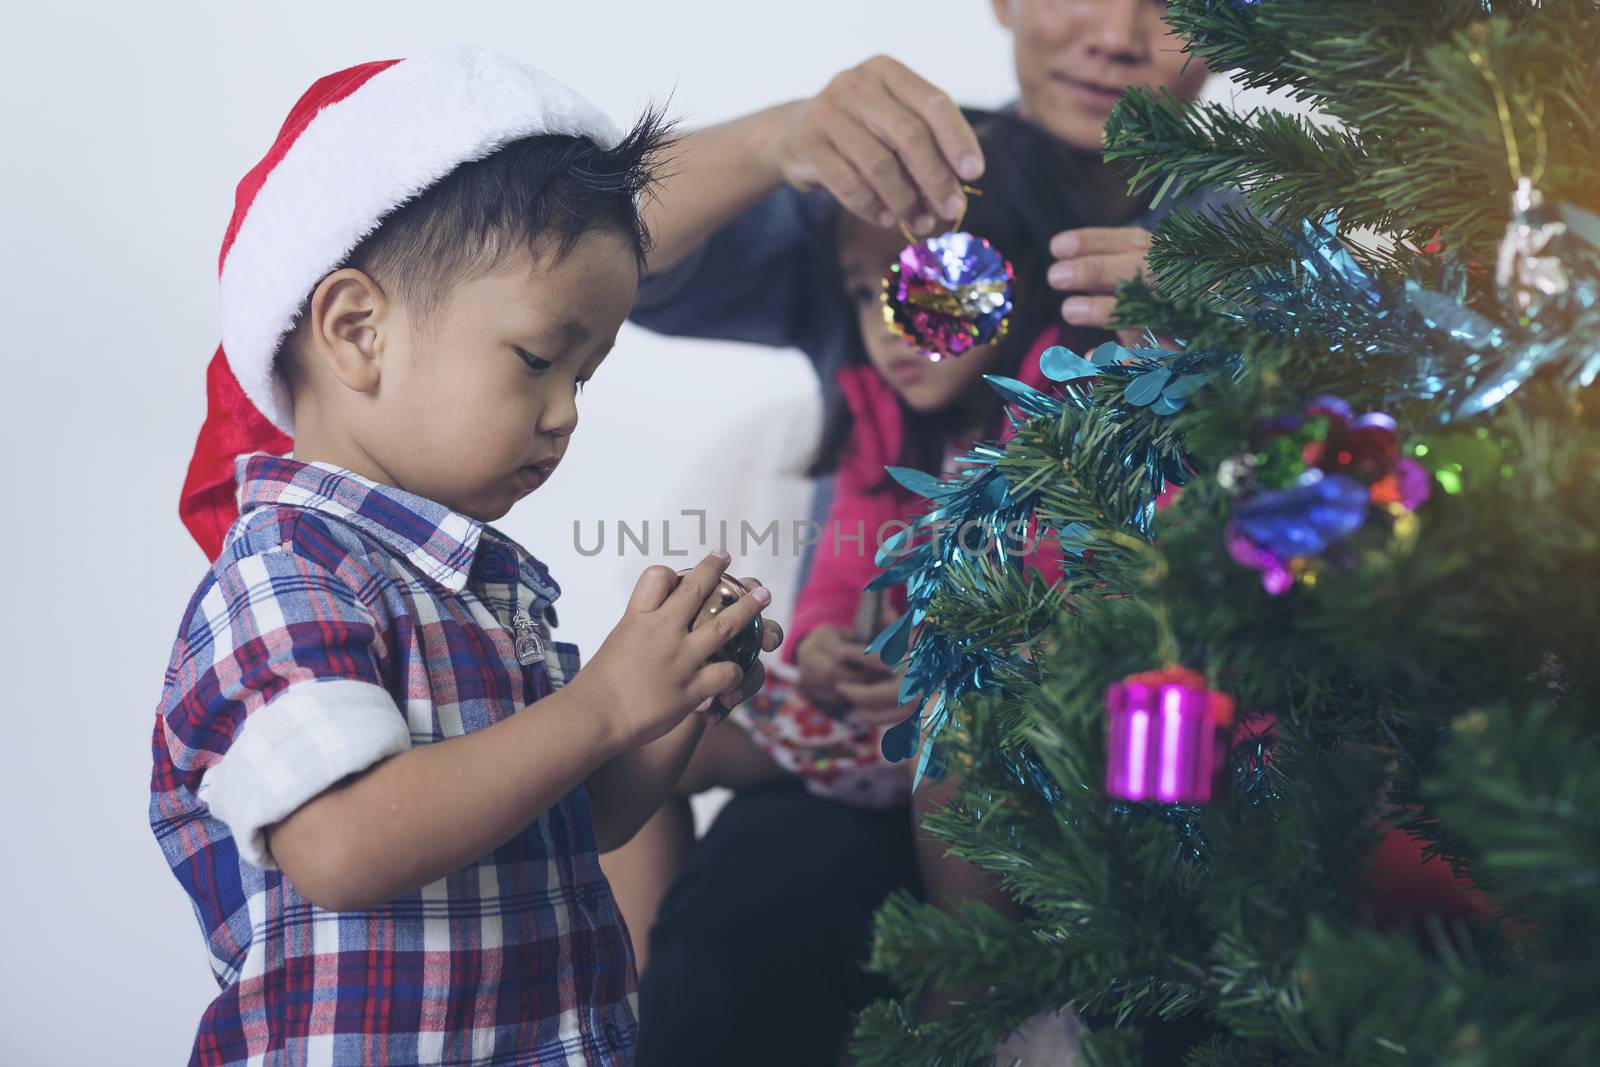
(1091, 263)
(756, 676)
(651, 671)
(888, 145)
(833, 665)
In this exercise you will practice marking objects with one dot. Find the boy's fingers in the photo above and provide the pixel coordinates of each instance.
(749, 686)
(1095, 274)
(712, 680)
(652, 588)
(696, 587)
(729, 622)
(1099, 241)
(771, 635)
(951, 131)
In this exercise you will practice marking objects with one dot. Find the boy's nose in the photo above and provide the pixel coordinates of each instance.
(559, 419)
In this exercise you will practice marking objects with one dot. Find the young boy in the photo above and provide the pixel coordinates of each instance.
(380, 781)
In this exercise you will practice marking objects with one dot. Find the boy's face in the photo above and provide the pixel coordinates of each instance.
(476, 408)
(1074, 58)
(865, 253)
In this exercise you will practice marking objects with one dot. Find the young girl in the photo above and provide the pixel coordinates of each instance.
(823, 713)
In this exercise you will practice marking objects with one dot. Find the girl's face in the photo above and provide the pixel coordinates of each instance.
(865, 253)
(1074, 58)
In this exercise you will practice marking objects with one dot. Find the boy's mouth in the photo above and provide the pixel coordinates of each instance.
(534, 475)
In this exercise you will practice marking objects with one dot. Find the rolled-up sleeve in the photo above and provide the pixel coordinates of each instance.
(282, 694)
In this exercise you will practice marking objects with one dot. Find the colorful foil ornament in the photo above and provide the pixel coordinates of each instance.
(1164, 737)
(1311, 483)
(948, 293)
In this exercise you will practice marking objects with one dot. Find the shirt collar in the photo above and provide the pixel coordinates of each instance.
(437, 540)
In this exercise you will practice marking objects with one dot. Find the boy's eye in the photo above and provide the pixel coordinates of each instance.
(533, 361)
(863, 295)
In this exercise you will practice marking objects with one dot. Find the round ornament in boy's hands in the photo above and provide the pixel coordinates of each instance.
(745, 647)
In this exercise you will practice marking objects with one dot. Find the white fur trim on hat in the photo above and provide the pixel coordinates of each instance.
(358, 160)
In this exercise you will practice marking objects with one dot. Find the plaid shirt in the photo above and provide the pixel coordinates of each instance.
(346, 621)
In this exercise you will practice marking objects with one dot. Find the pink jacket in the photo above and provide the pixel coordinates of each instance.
(842, 568)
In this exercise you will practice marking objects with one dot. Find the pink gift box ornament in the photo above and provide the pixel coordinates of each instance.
(1163, 738)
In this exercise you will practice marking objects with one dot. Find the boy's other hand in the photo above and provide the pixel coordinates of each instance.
(832, 661)
(890, 146)
(652, 671)
(1090, 264)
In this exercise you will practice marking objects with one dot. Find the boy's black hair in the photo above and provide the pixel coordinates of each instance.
(1033, 188)
(542, 192)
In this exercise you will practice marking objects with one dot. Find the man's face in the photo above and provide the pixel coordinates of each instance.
(1074, 58)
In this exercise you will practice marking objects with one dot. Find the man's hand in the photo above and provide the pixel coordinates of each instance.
(1090, 264)
(888, 145)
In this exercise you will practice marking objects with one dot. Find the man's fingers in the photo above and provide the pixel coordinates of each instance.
(911, 139)
(878, 166)
(1088, 310)
(652, 588)
(1099, 241)
(951, 131)
(840, 177)
(1096, 273)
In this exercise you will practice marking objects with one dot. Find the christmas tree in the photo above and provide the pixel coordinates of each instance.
(1341, 537)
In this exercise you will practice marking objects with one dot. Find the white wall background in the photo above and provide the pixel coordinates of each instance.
(127, 127)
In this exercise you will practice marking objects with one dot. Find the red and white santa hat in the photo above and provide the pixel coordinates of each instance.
(360, 143)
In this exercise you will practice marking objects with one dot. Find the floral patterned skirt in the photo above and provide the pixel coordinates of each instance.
(834, 759)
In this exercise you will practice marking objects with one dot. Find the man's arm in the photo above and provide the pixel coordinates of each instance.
(716, 174)
(888, 145)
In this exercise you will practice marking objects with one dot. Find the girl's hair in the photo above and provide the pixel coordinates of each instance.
(1033, 188)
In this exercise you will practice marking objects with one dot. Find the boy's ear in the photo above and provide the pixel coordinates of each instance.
(347, 317)
(1002, 12)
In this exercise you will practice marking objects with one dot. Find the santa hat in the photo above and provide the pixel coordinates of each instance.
(360, 143)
